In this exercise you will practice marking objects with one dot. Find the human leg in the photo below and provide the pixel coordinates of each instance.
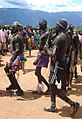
(52, 107)
(55, 91)
(14, 84)
(74, 105)
(41, 78)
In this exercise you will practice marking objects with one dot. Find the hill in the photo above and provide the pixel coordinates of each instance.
(31, 17)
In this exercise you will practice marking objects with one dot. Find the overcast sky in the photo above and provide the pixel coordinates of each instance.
(44, 5)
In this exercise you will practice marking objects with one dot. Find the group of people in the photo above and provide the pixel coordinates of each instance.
(59, 45)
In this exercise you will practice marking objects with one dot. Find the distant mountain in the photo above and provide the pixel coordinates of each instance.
(31, 17)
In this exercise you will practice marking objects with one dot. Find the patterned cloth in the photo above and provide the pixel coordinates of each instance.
(42, 60)
(16, 65)
(58, 72)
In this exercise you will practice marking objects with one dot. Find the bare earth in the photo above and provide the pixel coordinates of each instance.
(30, 106)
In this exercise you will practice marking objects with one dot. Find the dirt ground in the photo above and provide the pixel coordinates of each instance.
(30, 106)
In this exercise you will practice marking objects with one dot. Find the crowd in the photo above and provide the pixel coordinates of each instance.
(60, 44)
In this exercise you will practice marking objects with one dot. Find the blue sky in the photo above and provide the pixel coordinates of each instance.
(44, 5)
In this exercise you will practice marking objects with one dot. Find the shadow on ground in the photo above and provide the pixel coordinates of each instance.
(65, 112)
(76, 87)
(30, 56)
(28, 95)
(5, 93)
(1, 63)
(29, 70)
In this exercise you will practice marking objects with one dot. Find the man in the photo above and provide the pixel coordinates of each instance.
(3, 39)
(72, 55)
(10, 69)
(42, 57)
(58, 68)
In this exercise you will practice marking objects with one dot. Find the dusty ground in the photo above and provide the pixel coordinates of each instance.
(30, 106)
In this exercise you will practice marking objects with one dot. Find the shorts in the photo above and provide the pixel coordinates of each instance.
(57, 72)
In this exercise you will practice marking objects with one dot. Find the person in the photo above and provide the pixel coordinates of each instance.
(80, 45)
(29, 40)
(69, 56)
(72, 55)
(3, 39)
(11, 67)
(58, 68)
(76, 51)
(36, 38)
(42, 59)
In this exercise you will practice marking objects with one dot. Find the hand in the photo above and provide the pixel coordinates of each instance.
(46, 47)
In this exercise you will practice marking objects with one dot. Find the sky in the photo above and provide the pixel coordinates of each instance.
(44, 5)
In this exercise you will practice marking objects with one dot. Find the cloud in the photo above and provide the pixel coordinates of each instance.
(19, 3)
(55, 5)
(47, 2)
(62, 5)
(43, 5)
(37, 4)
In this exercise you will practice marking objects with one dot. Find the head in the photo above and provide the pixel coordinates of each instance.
(42, 24)
(23, 32)
(70, 27)
(61, 25)
(17, 27)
